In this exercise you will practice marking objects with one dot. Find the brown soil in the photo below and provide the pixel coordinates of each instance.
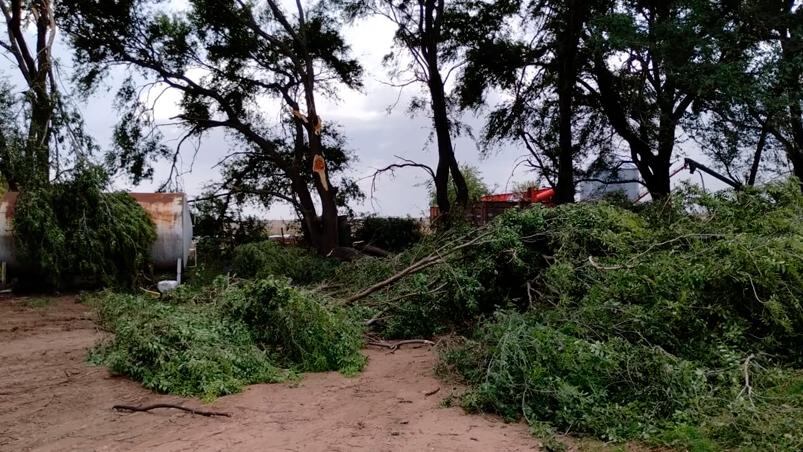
(51, 399)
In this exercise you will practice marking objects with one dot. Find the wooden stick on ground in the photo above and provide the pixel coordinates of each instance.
(433, 392)
(395, 346)
(169, 405)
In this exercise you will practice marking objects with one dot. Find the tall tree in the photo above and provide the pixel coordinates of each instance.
(571, 17)
(26, 160)
(423, 33)
(778, 107)
(651, 61)
(244, 52)
(533, 52)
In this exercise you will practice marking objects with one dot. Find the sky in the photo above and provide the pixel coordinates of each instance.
(375, 135)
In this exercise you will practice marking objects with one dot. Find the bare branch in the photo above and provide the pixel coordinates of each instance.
(406, 164)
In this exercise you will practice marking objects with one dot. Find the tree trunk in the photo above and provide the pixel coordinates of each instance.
(442, 187)
(306, 208)
(36, 70)
(446, 159)
(791, 47)
(329, 236)
(567, 41)
(659, 184)
(762, 141)
(38, 138)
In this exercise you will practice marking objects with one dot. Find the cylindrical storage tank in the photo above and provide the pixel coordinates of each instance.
(7, 248)
(169, 212)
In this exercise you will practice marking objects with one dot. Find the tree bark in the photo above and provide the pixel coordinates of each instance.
(762, 141)
(36, 70)
(447, 162)
(653, 166)
(568, 39)
(329, 237)
(791, 49)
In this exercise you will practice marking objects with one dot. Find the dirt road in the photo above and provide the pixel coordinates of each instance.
(51, 399)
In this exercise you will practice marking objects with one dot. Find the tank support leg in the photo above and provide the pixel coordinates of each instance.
(178, 271)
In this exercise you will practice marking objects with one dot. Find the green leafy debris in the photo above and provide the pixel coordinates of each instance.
(215, 340)
(73, 234)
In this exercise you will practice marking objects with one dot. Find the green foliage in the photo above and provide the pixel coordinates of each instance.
(305, 334)
(263, 259)
(215, 340)
(672, 327)
(220, 227)
(389, 233)
(621, 324)
(238, 42)
(474, 182)
(179, 349)
(73, 234)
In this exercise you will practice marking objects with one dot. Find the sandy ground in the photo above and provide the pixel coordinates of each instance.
(51, 399)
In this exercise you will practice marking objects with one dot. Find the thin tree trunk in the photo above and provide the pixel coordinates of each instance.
(762, 141)
(447, 162)
(791, 44)
(442, 187)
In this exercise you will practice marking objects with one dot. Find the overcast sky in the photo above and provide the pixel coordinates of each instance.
(374, 135)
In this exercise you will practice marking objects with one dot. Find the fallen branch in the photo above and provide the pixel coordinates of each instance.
(601, 267)
(150, 292)
(746, 371)
(433, 392)
(371, 250)
(169, 405)
(429, 261)
(390, 303)
(395, 346)
(632, 261)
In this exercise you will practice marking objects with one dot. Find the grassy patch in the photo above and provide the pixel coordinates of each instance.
(38, 302)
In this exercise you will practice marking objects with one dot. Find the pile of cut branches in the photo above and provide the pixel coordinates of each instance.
(679, 323)
(214, 340)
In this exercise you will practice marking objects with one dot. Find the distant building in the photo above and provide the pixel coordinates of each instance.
(611, 182)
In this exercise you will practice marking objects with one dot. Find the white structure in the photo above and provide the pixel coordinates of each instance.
(169, 212)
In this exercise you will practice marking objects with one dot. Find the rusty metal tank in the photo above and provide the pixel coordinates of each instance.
(169, 212)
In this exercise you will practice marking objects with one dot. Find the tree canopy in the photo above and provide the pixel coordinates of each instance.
(579, 87)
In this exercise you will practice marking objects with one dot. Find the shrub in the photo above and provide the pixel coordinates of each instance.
(390, 233)
(263, 259)
(613, 389)
(213, 341)
(517, 365)
(302, 331)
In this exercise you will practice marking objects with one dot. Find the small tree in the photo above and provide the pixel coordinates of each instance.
(475, 184)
